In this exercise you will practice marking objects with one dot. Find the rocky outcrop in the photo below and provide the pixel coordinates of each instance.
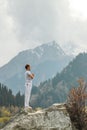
(52, 118)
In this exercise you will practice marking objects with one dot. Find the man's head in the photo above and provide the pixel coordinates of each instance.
(27, 67)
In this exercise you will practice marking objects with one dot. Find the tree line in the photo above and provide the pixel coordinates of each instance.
(7, 98)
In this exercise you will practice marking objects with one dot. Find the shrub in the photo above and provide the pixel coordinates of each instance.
(4, 119)
(76, 105)
(4, 112)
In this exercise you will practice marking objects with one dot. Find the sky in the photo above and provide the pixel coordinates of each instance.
(25, 24)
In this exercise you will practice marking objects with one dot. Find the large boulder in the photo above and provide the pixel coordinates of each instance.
(55, 117)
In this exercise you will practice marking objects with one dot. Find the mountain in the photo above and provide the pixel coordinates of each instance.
(57, 88)
(46, 60)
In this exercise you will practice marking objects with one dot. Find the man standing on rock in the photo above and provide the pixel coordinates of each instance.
(28, 85)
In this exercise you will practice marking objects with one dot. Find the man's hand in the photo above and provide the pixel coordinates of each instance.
(31, 76)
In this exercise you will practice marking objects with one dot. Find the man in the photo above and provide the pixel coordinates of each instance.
(28, 85)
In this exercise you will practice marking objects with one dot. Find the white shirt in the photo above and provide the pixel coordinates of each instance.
(27, 78)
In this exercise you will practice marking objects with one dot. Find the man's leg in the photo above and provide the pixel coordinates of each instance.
(30, 88)
(27, 94)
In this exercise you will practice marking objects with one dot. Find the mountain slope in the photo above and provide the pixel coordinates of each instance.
(57, 88)
(46, 60)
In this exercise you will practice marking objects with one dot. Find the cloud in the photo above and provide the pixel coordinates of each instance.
(28, 23)
(8, 42)
(39, 21)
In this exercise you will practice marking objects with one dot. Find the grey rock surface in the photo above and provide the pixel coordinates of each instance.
(52, 118)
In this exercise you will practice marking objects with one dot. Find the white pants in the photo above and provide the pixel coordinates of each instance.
(28, 88)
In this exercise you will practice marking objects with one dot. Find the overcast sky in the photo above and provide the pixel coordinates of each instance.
(26, 24)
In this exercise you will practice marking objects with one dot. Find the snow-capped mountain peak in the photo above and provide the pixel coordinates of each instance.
(49, 49)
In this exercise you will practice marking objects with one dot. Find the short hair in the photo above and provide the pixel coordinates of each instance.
(26, 66)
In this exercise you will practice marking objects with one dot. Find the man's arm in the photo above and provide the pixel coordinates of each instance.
(31, 75)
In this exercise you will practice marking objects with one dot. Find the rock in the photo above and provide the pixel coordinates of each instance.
(55, 117)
